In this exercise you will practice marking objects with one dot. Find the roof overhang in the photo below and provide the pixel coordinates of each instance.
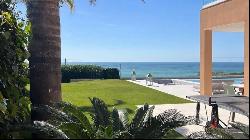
(234, 27)
(212, 3)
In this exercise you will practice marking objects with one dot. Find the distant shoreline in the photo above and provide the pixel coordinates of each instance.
(75, 62)
(171, 70)
(191, 77)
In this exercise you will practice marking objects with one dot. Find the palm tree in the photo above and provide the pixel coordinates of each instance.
(45, 49)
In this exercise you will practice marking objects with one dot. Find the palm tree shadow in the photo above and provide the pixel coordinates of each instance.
(118, 102)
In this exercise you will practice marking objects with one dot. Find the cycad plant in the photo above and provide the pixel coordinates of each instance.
(74, 123)
(236, 131)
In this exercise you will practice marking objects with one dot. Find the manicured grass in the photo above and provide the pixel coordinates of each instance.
(115, 93)
(118, 93)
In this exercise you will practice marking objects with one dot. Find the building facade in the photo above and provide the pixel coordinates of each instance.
(222, 16)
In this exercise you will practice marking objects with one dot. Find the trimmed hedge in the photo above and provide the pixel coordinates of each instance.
(110, 73)
(88, 72)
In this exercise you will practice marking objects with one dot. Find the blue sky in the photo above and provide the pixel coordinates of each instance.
(131, 31)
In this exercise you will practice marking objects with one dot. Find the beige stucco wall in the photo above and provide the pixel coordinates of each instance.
(230, 11)
(225, 13)
(246, 58)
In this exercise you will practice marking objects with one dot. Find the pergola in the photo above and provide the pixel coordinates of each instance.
(223, 16)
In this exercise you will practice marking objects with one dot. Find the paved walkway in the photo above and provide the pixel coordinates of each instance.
(177, 90)
(189, 109)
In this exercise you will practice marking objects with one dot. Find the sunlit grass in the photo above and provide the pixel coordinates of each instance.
(120, 94)
(115, 93)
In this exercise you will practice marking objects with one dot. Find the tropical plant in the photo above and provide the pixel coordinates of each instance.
(45, 49)
(111, 125)
(14, 101)
(15, 109)
(242, 127)
(237, 131)
(14, 34)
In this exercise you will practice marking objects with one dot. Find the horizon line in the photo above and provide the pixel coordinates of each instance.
(149, 62)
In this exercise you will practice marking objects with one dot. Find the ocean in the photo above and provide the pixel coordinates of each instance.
(166, 69)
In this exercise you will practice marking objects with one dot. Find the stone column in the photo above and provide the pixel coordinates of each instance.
(206, 62)
(246, 58)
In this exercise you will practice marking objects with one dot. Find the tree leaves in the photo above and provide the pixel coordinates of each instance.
(117, 123)
(13, 72)
(138, 119)
(3, 107)
(70, 4)
(244, 128)
(101, 113)
(48, 130)
(77, 117)
(74, 130)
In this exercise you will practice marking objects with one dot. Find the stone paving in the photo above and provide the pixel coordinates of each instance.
(189, 109)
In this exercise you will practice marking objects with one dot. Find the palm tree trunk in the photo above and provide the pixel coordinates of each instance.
(45, 49)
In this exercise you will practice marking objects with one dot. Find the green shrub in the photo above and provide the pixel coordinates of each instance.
(111, 73)
(14, 100)
(88, 72)
(13, 43)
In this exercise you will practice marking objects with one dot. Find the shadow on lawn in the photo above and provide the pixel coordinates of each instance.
(117, 103)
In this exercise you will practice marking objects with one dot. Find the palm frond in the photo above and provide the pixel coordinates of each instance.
(138, 121)
(74, 130)
(156, 127)
(219, 133)
(108, 133)
(70, 4)
(76, 116)
(139, 117)
(123, 116)
(172, 119)
(92, 2)
(149, 114)
(101, 113)
(55, 115)
(151, 129)
(116, 121)
(242, 127)
(45, 129)
(200, 135)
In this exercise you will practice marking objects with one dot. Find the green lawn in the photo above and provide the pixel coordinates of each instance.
(118, 93)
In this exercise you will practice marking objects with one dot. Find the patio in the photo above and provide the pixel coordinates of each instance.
(189, 109)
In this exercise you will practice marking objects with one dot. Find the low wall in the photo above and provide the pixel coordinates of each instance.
(184, 82)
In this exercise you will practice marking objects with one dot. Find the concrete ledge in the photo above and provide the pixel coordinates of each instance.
(212, 3)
